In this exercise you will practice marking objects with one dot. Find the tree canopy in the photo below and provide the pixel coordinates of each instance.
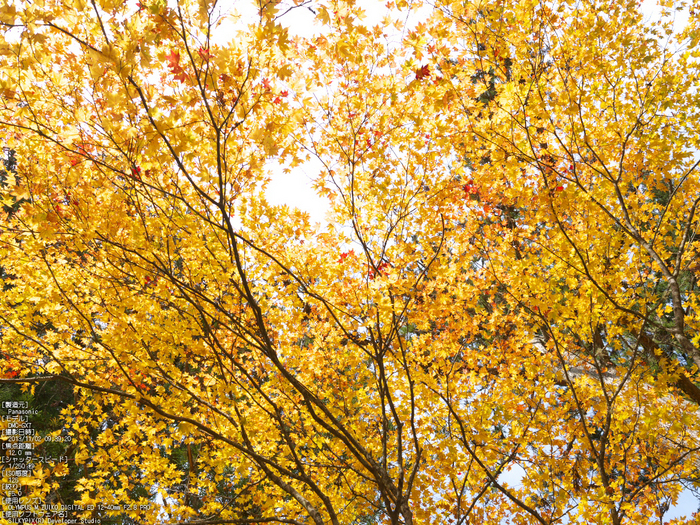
(507, 282)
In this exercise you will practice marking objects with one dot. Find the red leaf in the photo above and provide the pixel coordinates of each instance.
(471, 190)
(204, 53)
(173, 59)
(174, 64)
(382, 266)
(423, 72)
(345, 255)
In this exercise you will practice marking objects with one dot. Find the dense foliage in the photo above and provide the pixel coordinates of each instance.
(507, 283)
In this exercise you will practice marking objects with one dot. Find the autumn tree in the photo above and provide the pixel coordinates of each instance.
(507, 281)
(577, 140)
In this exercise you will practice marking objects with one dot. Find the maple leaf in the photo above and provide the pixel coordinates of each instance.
(175, 68)
(173, 58)
(180, 75)
(204, 53)
(423, 72)
(345, 255)
(471, 189)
